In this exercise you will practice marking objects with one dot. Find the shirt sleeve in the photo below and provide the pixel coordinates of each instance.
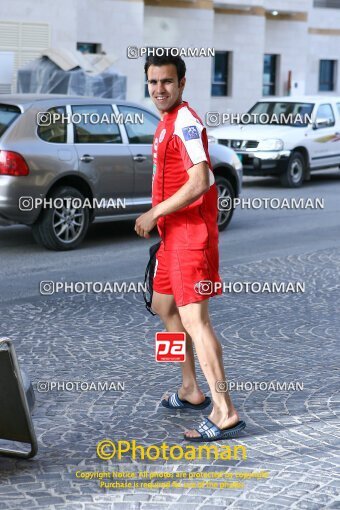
(189, 139)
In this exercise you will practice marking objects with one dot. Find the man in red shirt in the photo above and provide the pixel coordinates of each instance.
(184, 208)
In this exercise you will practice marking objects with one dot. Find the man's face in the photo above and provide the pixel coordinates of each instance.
(164, 89)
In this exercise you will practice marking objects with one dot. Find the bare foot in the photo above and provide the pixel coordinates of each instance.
(222, 420)
(195, 396)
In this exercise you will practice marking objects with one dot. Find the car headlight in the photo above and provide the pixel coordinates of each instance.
(235, 161)
(271, 144)
(212, 139)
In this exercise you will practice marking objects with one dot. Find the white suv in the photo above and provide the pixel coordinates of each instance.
(286, 137)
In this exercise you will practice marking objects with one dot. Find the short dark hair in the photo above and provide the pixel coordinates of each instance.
(164, 60)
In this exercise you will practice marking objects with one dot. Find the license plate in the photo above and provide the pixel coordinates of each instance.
(240, 156)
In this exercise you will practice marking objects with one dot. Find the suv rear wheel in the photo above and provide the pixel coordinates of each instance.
(62, 226)
(294, 172)
(225, 192)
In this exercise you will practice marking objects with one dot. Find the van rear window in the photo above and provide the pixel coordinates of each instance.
(8, 114)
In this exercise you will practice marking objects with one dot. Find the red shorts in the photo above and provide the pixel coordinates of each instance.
(189, 275)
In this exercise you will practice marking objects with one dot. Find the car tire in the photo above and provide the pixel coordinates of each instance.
(294, 171)
(225, 190)
(62, 228)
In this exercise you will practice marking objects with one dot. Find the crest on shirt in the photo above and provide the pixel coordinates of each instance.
(190, 133)
(162, 135)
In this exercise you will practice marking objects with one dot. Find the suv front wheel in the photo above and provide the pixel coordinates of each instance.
(294, 171)
(63, 225)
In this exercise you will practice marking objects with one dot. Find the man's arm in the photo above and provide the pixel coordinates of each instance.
(196, 186)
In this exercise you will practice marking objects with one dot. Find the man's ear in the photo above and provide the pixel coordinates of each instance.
(182, 82)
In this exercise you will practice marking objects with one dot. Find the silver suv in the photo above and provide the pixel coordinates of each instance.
(59, 172)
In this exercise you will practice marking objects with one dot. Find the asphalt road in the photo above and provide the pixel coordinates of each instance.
(112, 251)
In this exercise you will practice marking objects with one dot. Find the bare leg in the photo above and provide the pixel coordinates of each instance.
(164, 305)
(195, 319)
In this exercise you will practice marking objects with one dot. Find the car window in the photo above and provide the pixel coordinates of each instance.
(282, 112)
(8, 114)
(325, 111)
(52, 126)
(95, 124)
(139, 132)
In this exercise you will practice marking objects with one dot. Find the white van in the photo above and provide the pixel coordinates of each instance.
(286, 137)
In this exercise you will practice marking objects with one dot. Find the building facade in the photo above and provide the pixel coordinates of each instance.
(262, 47)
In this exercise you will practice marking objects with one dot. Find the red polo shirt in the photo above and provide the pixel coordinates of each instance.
(179, 143)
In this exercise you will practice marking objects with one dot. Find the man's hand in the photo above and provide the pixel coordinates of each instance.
(146, 222)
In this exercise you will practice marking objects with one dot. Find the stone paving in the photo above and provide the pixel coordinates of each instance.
(266, 337)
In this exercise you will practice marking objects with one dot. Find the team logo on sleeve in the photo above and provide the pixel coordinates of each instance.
(190, 133)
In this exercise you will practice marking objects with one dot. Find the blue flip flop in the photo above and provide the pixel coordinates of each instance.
(210, 432)
(174, 402)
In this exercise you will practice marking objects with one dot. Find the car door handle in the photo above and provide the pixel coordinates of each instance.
(139, 158)
(87, 158)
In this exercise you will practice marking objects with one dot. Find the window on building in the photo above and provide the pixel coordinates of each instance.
(326, 75)
(269, 75)
(89, 47)
(219, 85)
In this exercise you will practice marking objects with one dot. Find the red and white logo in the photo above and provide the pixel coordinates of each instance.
(170, 346)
